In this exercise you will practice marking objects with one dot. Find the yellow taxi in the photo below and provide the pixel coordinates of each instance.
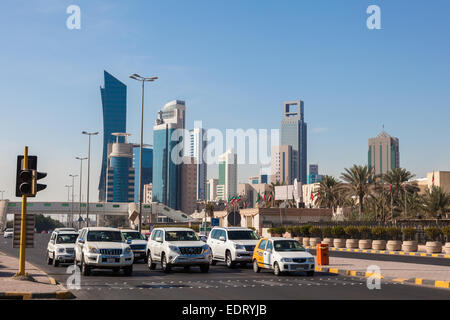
(282, 255)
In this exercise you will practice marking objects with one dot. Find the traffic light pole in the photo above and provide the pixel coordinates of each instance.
(23, 234)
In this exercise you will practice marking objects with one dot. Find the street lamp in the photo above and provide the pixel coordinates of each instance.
(143, 80)
(73, 179)
(89, 171)
(81, 177)
(68, 199)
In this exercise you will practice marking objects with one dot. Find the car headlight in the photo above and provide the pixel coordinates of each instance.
(310, 260)
(61, 250)
(174, 248)
(286, 260)
(127, 250)
(92, 250)
(239, 246)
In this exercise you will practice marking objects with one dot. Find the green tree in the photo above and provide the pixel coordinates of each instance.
(436, 201)
(359, 180)
(46, 223)
(329, 194)
(209, 208)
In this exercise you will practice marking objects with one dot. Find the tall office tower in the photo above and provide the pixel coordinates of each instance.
(211, 189)
(197, 144)
(166, 172)
(283, 164)
(114, 103)
(314, 175)
(147, 168)
(227, 184)
(294, 133)
(188, 185)
(383, 153)
(120, 171)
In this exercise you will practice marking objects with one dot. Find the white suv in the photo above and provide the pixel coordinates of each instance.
(138, 243)
(61, 246)
(103, 248)
(232, 245)
(177, 247)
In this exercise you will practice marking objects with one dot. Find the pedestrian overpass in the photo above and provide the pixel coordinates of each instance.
(129, 210)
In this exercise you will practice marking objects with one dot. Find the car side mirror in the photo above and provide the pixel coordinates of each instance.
(222, 238)
(128, 241)
(307, 250)
(158, 239)
(81, 240)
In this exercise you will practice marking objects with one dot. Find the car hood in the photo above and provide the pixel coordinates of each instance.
(66, 245)
(138, 242)
(298, 254)
(186, 243)
(245, 242)
(107, 245)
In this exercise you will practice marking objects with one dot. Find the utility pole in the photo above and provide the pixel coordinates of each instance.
(89, 171)
(23, 225)
(73, 181)
(80, 197)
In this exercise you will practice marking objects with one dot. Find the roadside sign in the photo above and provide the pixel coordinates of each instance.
(29, 227)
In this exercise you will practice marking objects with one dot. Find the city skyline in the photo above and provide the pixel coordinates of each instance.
(380, 87)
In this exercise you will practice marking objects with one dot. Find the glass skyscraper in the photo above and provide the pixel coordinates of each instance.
(114, 103)
(167, 173)
(147, 168)
(294, 133)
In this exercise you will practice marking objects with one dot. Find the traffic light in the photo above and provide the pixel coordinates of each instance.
(37, 186)
(26, 181)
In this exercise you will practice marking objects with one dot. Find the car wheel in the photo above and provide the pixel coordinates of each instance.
(165, 264)
(276, 269)
(55, 261)
(204, 268)
(49, 260)
(256, 268)
(310, 273)
(128, 271)
(213, 262)
(145, 259)
(150, 263)
(85, 270)
(229, 260)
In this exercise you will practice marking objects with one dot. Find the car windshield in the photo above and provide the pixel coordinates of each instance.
(9, 230)
(181, 236)
(67, 238)
(242, 235)
(129, 235)
(104, 236)
(288, 245)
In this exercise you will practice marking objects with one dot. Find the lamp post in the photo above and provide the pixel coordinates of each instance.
(89, 171)
(73, 176)
(81, 178)
(143, 80)
(68, 199)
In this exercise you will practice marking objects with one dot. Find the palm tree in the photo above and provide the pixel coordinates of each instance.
(436, 201)
(329, 193)
(359, 179)
(210, 209)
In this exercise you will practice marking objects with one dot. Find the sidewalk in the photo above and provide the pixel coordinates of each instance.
(421, 274)
(44, 287)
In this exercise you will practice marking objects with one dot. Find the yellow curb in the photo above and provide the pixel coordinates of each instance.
(364, 251)
(382, 251)
(63, 294)
(401, 253)
(25, 295)
(399, 279)
(418, 281)
(318, 268)
(333, 270)
(412, 253)
(373, 275)
(52, 280)
(423, 254)
(434, 255)
(447, 256)
(391, 252)
(373, 251)
(353, 273)
(442, 284)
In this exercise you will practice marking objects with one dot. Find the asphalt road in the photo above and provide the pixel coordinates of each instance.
(220, 283)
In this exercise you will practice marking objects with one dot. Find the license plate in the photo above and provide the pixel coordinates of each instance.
(111, 260)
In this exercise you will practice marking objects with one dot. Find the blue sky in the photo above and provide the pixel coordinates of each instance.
(234, 63)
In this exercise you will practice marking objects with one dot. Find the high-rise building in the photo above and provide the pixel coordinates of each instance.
(147, 195)
(294, 133)
(211, 189)
(168, 145)
(197, 145)
(314, 175)
(383, 154)
(227, 184)
(188, 185)
(262, 178)
(120, 172)
(114, 103)
(147, 168)
(283, 163)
